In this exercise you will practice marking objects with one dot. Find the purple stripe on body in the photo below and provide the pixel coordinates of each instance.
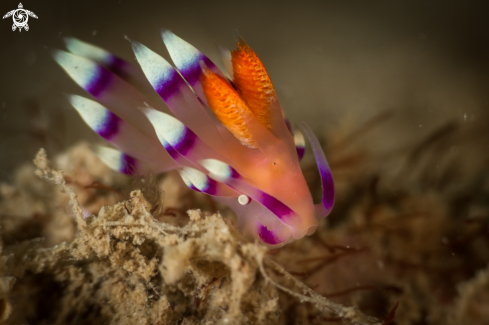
(192, 72)
(99, 82)
(186, 142)
(116, 65)
(129, 164)
(110, 126)
(168, 87)
(267, 236)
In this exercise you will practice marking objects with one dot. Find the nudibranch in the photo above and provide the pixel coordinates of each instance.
(227, 137)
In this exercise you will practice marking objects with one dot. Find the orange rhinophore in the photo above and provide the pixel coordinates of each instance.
(228, 106)
(253, 83)
(241, 150)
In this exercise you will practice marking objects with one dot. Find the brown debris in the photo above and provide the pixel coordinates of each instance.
(88, 250)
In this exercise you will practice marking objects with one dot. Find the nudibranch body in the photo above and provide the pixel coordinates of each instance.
(227, 138)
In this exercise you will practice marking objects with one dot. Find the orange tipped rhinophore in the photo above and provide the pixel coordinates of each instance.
(228, 106)
(241, 151)
(253, 83)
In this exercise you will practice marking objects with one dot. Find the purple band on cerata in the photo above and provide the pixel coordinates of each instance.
(192, 72)
(233, 173)
(327, 200)
(100, 81)
(186, 142)
(171, 151)
(211, 187)
(192, 187)
(276, 207)
(116, 65)
(128, 164)
(267, 236)
(328, 187)
(300, 152)
(110, 126)
(166, 88)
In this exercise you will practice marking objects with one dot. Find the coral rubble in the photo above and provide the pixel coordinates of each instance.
(86, 245)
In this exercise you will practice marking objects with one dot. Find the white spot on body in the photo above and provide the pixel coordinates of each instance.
(243, 199)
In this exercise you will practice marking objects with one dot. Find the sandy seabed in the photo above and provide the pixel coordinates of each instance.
(406, 244)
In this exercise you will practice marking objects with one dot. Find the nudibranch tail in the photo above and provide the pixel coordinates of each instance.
(227, 138)
(324, 208)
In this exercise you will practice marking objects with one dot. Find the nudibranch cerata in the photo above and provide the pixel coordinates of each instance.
(228, 138)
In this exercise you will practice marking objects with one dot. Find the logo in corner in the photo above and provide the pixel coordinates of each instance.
(20, 17)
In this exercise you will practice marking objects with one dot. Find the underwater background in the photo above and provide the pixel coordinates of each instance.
(427, 62)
